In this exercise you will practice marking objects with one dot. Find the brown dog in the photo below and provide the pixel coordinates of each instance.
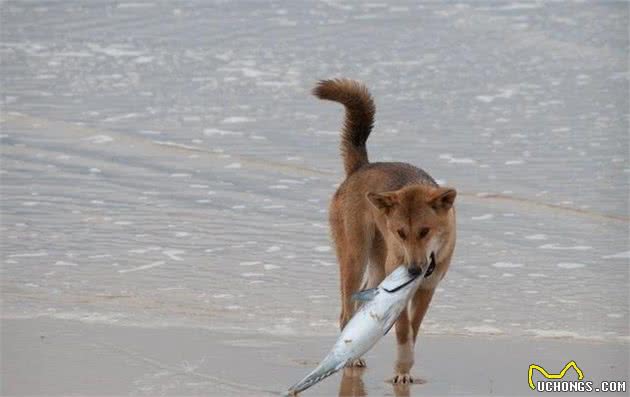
(384, 215)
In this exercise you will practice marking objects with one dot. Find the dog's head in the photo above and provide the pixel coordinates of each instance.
(417, 219)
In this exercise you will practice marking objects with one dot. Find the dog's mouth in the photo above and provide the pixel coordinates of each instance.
(431, 266)
(415, 271)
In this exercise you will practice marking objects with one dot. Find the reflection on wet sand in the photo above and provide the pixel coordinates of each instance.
(352, 384)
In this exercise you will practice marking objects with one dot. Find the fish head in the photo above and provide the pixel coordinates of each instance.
(400, 279)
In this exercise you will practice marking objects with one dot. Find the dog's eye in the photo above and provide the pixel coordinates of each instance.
(402, 234)
(423, 232)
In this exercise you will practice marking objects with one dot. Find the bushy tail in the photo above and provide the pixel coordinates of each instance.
(359, 118)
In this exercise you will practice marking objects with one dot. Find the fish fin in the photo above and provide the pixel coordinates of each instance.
(365, 295)
(390, 317)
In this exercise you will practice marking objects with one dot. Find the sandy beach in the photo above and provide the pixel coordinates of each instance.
(165, 177)
(56, 357)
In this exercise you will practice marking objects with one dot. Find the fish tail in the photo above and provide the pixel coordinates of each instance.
(326, 368)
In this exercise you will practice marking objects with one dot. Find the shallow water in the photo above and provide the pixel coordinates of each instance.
(165, 164)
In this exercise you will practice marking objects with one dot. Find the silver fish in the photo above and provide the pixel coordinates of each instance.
(380, 310)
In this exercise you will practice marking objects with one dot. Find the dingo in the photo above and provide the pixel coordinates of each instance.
(384, 215)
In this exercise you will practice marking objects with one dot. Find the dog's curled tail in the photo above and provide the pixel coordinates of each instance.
(359, 120)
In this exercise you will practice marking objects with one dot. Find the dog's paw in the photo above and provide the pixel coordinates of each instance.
(404, 379)
(358, 363)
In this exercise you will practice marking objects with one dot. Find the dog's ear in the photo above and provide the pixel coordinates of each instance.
(383, 201)
(442, 199)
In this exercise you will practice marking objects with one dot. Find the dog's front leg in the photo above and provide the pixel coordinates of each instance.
(405, 356)
(406, 334)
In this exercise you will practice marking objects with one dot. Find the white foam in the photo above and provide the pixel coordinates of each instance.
(237, 119)
(233, 165)
(454, 160)
(484, 329)
(271, 267)
(536, 237)
(143, 267)
(484, 98)
(320, 132)
(215, 131)
(506, 265)
(94, 318)
(143, 59)
(63, 263)
(252, 274)
(503, 93)
(551, 333)
(620, 255)
(249, 72)
(322, 248)
(559, 247)
(482, 217)
(249, 263)
(570, 265)
(278, 329)
(222, 296)
(135, 5)
(99, 139)
(175, 144)
(114, 51)
(173, 254)
(28, 255)
(518, 6)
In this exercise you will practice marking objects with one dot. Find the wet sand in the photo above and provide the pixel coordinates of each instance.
(166, 175)
(58, 357)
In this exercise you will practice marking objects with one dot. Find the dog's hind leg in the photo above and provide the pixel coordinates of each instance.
(352, 266)
(352, 254)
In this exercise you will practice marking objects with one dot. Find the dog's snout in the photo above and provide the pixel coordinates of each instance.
(415, 269)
